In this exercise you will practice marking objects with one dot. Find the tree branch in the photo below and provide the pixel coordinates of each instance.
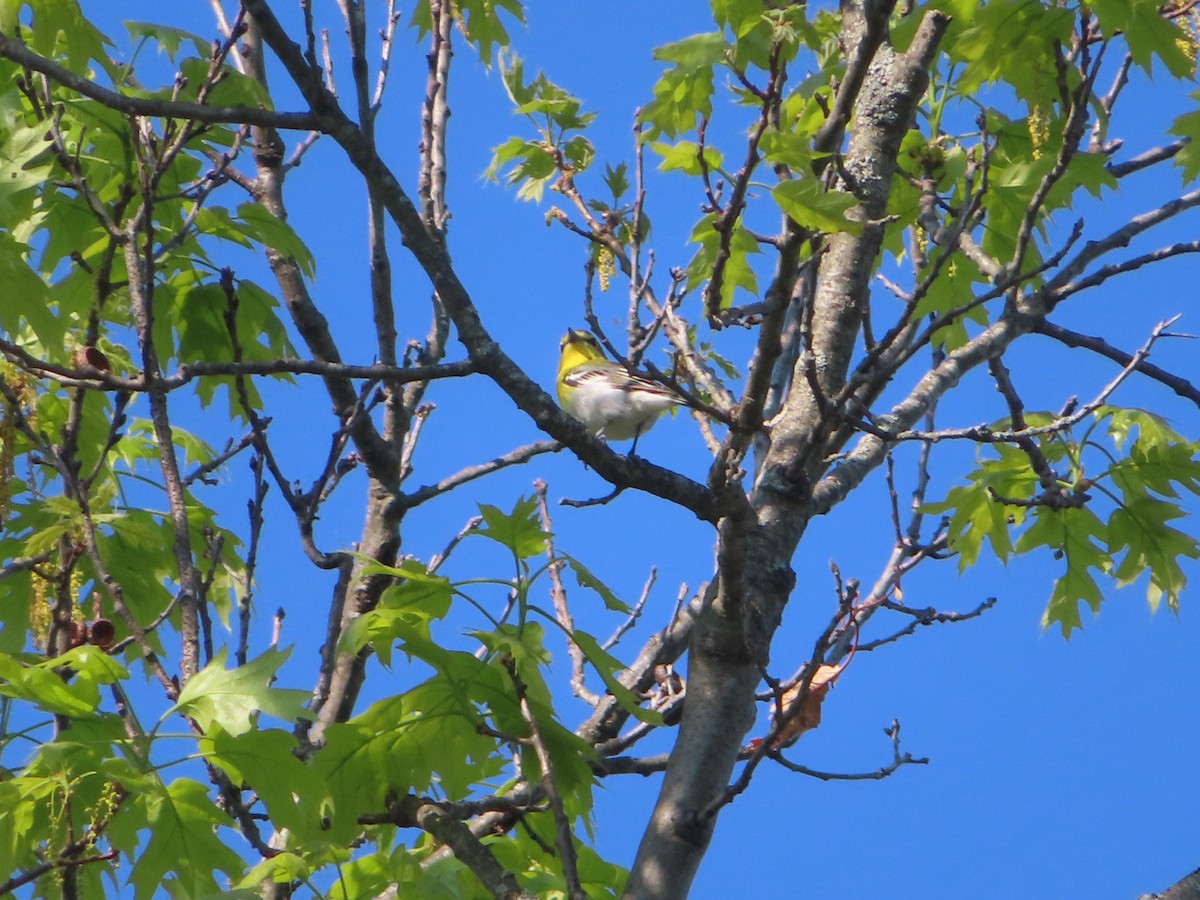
(1180, 386)
(15, 50)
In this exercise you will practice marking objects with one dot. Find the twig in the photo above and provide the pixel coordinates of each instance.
(565, 839)
(899, 759)
(187, 372)
(1149, 158)
(558, 595)
(1180, 386)
(513, 458)
(437, 559)
(636, 612)
(254, 507)
(984, 434)
(927, 616)
(1104, 273)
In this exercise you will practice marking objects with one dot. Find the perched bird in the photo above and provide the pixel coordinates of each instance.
(609, 400)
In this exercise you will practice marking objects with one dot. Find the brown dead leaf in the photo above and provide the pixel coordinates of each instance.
(806, 716)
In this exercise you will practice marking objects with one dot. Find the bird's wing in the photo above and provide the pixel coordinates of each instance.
(618, 378)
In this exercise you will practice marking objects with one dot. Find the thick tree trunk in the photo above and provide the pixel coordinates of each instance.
(730, 648)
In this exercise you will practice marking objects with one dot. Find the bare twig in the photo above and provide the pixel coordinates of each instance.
(565, 839)
(927, 616)
(513, 458)
(899, 759)
(636, 612)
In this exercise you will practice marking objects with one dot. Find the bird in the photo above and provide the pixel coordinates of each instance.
(612, 402)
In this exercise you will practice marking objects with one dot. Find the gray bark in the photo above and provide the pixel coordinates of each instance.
(1186, 889)
(755, 580)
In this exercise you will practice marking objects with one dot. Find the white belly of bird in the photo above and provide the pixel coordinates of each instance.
(619, 415)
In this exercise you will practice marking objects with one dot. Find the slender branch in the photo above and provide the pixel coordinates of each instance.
(232, 449)
(920, 617)
(255, 510)
(636, 612)
(62, 861)
(16, 50)
(1149, 158)
(1120, 237)
(187, 372)
(984, 434)
(515, 457)
(899, 759)
(564, 836)
(1180, 386)
(558, 594)
(1106, 272)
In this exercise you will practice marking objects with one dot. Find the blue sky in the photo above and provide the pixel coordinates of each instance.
(1058, 769)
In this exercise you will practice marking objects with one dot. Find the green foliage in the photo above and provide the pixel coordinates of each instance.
(986, 37)
(532, 165)
(481, 22)
(94, 528)
(184, 843)
(395, 748)
(1142, 468)
(738, 271)
(228, 699)
(684, 93)
(813, 208)
(1188, 126)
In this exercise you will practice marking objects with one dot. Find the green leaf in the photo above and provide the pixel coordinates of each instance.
(398, 744)
(26, 295)
(62, 33)
(183, 842)
(695, 52)
(999, 32)
(282, 868)
(737, 274)
(90, 663)
(586, 579)
(229, 698)
(684, 92)
(606, 665)
(789, 148)
(542, 100)
(684, 156)
(276, 234)
(1080, 538)
(1152, 431)
(24, 166)
(811, 206)
(480, 22)
(579, 153)
(952, 291)
(976, 515)
(404, 611)
(47, 690)
(519, 531)
(529, 164)
(266, 762)
(1147, 33)
(168, 38)
(739, 16)
(1188, 126)
(617, 179)
(1140, 530)
(260, 328)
